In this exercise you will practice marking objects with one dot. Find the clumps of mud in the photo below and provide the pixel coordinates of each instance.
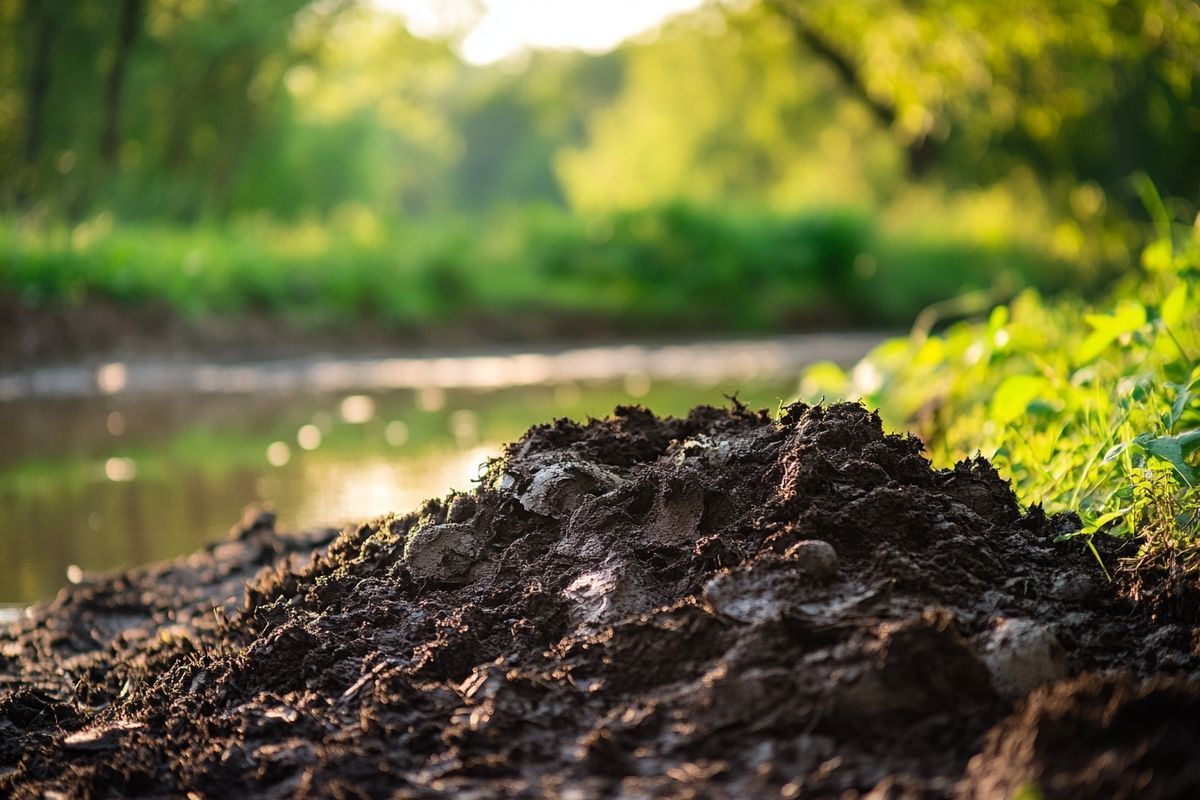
(719, 606)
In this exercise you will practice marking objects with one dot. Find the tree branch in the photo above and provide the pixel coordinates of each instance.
(921, 152)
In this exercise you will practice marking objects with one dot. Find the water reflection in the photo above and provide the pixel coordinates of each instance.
(144, 465)
(360, 490)
(80, 489)
(701, 362)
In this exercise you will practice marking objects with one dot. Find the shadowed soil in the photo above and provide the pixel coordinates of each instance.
(97, 329)
(719, 606)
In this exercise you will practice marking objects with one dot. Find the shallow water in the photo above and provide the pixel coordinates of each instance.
(108, 467)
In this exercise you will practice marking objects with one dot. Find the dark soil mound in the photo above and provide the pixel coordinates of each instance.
(718, 606)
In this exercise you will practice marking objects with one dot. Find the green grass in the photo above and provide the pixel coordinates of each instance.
(1087, 408)
(676, 267)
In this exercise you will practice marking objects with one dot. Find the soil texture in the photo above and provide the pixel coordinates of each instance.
(726, 605)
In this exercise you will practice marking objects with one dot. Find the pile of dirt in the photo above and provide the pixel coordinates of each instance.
(719, 606)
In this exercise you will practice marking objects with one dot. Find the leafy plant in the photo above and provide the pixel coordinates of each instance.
(1091, 409)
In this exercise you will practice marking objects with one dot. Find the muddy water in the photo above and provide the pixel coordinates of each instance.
(113, 465)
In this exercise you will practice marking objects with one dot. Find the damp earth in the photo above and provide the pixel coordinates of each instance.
(722, 605)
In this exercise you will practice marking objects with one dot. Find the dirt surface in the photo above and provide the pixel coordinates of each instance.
(719, 606)
(97, 329)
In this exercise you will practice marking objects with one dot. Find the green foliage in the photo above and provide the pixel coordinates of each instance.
(290, 107)
(297, 108)
(722, 106)
(674, 267)
(1089, 409)
(1081, 92)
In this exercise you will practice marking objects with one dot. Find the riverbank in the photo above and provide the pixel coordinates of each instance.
(257, 288)
(722, 606)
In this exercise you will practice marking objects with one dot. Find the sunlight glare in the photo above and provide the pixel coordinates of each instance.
(342, 491)
(503, 28)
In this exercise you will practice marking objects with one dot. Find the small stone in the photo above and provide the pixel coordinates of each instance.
(1022, 655)
(1072, 587)
(442, 553)
(703, 449)
(815, 558)
(557, 490)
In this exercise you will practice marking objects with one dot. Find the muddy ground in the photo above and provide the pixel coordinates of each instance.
(97, 329)
(717, 606)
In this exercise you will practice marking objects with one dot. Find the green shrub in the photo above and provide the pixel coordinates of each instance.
(1087, 408)
(674, 267)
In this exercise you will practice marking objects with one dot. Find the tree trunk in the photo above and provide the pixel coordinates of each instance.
(41, 26)
(127, 32)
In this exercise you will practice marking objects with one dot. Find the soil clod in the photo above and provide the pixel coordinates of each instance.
(442, 553)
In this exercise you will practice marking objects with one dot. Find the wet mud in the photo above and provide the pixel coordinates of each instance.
(726, 605)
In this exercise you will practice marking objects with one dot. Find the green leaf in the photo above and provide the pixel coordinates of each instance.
(1114, 452)
(1158, 256)
(824, 379)
(1042, 408)
(1174, 308)
(1102, 520)
(1095, 344)
(1128, 317)
(1180, 405)
(1175, 450)
(1014, 395)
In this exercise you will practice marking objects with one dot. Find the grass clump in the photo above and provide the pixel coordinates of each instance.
(1091, 408)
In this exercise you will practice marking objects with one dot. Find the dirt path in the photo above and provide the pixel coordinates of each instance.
(720, 606)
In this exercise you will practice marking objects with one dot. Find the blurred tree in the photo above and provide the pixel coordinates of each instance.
(920, 149)
(363, 120)
(188, 108)
(127, 30)
(512, 127)
(1082, 92)
(46, 46)
(148, 105)
(722, 107)
(41, 23)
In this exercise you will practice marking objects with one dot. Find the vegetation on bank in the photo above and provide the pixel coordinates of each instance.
(673, 267)
(1092, 408)
(339, 165)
